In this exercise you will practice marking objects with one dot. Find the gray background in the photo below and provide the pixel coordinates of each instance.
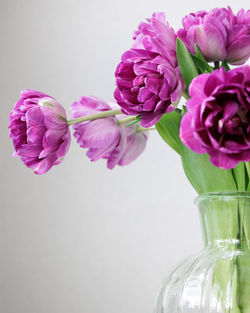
(83, 238)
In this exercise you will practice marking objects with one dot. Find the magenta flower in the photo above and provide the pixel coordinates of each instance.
(218, 117)
(39, 131)
(219, 34)
(148, 79)
(147, 85)
(103, 137)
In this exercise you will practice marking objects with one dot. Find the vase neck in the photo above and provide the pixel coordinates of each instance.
(225, 219)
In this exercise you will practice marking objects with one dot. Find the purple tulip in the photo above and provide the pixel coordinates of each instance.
(148, 79)
(103, 137)
(218, 117)
(39, 131)
(219, 34)
(157, 36)
(238, 43)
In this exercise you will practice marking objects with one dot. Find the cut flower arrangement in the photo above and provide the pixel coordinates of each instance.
(204, 62)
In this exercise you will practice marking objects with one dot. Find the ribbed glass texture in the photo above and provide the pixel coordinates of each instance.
(217, 280)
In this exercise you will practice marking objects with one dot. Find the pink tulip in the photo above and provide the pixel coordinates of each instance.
(219, 34)
(103, 137)
(39, 131)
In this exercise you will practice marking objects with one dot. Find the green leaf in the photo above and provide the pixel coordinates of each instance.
(202, 65)
(187, 67)
(239, 175)
(198, 53)
(168, 128)
(204, 176)
(247, 165)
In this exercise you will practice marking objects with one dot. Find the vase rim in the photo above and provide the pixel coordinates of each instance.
(222, 195)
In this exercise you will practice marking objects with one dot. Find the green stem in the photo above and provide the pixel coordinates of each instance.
(142, 129)
(247, 165)
(127, 120)
(217, 64)
(94, 116)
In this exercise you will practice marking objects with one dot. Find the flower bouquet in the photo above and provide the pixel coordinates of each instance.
(209, 130)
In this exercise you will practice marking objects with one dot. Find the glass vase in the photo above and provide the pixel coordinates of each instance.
(217, 280)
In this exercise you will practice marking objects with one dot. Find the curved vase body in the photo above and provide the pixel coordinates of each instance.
(217, 280)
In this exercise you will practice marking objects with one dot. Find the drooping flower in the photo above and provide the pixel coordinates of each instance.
(135, 144)
(148, 78)
(103, 137)
(39, 131)
(218, 117)
(219, 34)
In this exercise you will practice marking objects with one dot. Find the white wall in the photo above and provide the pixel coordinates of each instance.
(83, 238)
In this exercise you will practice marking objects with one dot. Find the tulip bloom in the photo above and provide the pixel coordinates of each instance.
(219, 34)
(39, 131)
(238, 43)
(148, 78)
(157, 36)
(218, 117)
(103, 137)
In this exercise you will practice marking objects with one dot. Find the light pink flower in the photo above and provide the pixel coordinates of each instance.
(103, 137)
(219, 34)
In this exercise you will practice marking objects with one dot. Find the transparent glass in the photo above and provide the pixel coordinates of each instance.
(217, 280)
